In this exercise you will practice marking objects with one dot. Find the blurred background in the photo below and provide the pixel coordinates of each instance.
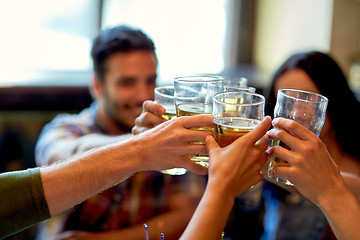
(45, 63)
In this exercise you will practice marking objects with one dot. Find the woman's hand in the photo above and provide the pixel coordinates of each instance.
(236, 167)
(311, 168)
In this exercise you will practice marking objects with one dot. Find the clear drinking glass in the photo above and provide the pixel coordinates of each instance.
(235, 81)
(235, 114)
(194, 96)
(234, 89)
(306, 108)
(165, 97)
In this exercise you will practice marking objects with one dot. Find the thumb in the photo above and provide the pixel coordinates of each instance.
(210, 143)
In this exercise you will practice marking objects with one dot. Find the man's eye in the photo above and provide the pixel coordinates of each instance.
(127, 82)
(151, 81)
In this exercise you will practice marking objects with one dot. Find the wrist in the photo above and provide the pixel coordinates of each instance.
(221, 190)
(129, 157)
(337, 196)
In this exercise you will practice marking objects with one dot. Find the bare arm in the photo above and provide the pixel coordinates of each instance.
(66, 148)
(232, 170)
(166, 146)
(342, 210)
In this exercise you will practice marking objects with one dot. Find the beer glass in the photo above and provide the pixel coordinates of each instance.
(235, 81)
(235, 114)
(306, 108)
(165, 97)
(194, 96)
(234, 89)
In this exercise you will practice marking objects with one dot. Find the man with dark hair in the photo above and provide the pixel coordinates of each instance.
(125, 65)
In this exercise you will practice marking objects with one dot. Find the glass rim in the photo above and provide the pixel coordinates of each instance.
(240, 104)
(197, 79)
(240, 88)
(156, 90)
(322, 98)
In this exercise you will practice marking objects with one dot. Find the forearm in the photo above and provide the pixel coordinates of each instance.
(64, 149)
(352, 181)
(210, 216)
(342, 211)
(70, 182)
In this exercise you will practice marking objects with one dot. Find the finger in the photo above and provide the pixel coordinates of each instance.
(192, 135)
(148, 119)
(136, 130)
(282, 153)
(196, 121)
(284, 136)
(193, 148)
(151, 106)
(194, 167)
(263, 143)
(211, 143)
(259, 131)
(293, 127)
(285, 172)
(263, 159)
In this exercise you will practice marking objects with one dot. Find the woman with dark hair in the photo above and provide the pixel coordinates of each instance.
(289, 216)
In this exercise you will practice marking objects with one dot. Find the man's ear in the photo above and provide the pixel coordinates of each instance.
(96, 90)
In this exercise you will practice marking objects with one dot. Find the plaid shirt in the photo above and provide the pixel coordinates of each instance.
(131, 202)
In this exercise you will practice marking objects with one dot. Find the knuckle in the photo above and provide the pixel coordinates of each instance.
(275, 149)
(138, 120)
(134, 131)
(281, 133)
(180, 135)
(309, 149)
(292, 125)
(146, 117)
(319, 143)
(146, 104)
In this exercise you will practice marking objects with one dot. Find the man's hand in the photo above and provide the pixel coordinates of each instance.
(170, 144)
(149, 118)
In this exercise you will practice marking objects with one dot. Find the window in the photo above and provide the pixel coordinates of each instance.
(189, 35)
(46, 41)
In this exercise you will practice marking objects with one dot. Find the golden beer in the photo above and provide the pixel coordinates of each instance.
(168, 116)
(192, 109)
(228, 129)
(170, 111)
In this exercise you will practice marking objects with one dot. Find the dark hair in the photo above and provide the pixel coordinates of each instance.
(119, 39)
(331, 82)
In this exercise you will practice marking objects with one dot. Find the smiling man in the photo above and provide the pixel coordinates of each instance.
(125, 66)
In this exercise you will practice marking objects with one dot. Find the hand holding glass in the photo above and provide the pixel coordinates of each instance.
(235, 114)
(165, 97)
(304, 107)
(194, 96)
